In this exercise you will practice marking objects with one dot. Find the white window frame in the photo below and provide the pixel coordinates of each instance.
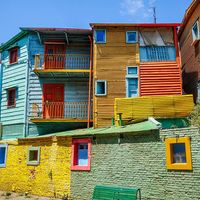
(5, 157)
(101, 81)
(95, 36)
(131, 76)
(131, 42)
(193, 35)
(28, 156)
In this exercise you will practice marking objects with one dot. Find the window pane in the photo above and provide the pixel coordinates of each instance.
(132, 70)
(132, 36)
(33, 155)
(132, 87)
(195, 31)
(83, 154)
(178, 153)
(100, 88)
(2, 155)
(100, 36)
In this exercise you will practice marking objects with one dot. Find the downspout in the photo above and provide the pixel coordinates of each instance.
(27, 91)
(90, 81)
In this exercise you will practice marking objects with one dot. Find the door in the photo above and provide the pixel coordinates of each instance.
(54, 57)
(53, 101)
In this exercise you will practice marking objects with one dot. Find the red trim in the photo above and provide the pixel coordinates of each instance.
(74, 158)
(11, 98)
(13, 55)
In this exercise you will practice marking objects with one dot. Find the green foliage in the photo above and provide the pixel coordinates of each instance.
(195, 116)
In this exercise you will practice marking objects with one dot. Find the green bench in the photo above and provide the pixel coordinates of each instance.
(115, 193)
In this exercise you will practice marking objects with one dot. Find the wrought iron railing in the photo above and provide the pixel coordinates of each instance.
(60, 110)
(61, 61)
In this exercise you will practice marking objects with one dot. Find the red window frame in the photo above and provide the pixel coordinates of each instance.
(13, 57)
(74, 160)
(11, 97)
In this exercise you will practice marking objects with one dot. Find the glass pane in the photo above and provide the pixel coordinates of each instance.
(33, 155)
(100, 36)
(101, 88)
(195, 30)
(132, 87)
(178, 153)
(2, 155)
(83, 154)
(132, 70)
(131, 36)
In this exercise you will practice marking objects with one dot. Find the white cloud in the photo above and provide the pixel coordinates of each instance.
(139, 9)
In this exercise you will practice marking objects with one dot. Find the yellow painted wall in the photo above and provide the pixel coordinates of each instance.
(50, 178)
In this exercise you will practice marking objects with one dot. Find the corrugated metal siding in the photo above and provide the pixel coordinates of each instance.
(168, 106)
(160, 78)
(14, 76)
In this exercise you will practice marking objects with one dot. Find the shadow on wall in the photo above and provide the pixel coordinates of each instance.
(190, 83)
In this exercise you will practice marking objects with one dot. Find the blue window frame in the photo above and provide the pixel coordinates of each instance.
(100, 36)
(3, 154)
(132, 82)
(101, 88)
(131, 36)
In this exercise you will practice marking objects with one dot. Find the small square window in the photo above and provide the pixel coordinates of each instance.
(13, 55)
(3, 154)
(100, 36)
(33, 156)
(178, 153)
(101, 88)
(131, 37)
(81, 154)
(132, 71)
(11, 97)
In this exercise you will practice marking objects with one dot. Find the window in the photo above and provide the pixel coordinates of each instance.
(198, 93)
(11, 97)
(13, 55)
(101, 88)
(132, 82)
(33, 156)
(195, 31)
(100, 36)
(81, 154)
(131, 36)
(3, 154)
(178, 153)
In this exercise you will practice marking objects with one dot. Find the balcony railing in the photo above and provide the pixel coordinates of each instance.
(62, 61)
(157, 53)
(60, 110)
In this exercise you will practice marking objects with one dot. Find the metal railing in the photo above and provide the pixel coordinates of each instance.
(61, 61)
(157, 53)
(60, 110)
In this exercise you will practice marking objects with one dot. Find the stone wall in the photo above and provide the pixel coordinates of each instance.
(140, 162)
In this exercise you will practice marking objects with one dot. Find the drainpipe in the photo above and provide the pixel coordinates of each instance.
(27, 90)
(90, 80)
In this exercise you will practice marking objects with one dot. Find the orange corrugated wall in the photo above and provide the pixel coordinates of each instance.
(160, 78)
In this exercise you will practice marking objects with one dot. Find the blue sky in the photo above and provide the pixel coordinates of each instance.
(79, 13)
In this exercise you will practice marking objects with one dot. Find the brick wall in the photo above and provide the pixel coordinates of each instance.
(139, 161)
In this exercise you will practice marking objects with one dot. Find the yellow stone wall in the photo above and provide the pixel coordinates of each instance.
(50, 178)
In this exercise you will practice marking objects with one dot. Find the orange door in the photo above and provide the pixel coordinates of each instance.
(54, 57)
(53, 106)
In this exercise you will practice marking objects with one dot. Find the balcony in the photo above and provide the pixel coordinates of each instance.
(60, 112)
(62, 65)
(157, 53)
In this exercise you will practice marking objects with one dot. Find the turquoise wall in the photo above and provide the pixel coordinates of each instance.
(14, 75)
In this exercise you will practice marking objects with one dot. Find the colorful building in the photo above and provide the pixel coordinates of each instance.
(189, 40)
(45, 81)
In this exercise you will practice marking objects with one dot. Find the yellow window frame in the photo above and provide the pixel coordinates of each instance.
(169, 161)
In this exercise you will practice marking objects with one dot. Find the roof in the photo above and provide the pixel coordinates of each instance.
(134, 25)
(187, 15)
(133, 128)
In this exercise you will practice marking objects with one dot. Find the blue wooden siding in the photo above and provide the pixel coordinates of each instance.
(157, 53)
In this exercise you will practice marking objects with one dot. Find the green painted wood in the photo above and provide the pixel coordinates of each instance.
(115, 193)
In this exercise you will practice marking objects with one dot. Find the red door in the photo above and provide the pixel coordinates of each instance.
(54, 57)
(53, 97)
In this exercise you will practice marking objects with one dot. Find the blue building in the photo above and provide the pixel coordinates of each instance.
(46, 81)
